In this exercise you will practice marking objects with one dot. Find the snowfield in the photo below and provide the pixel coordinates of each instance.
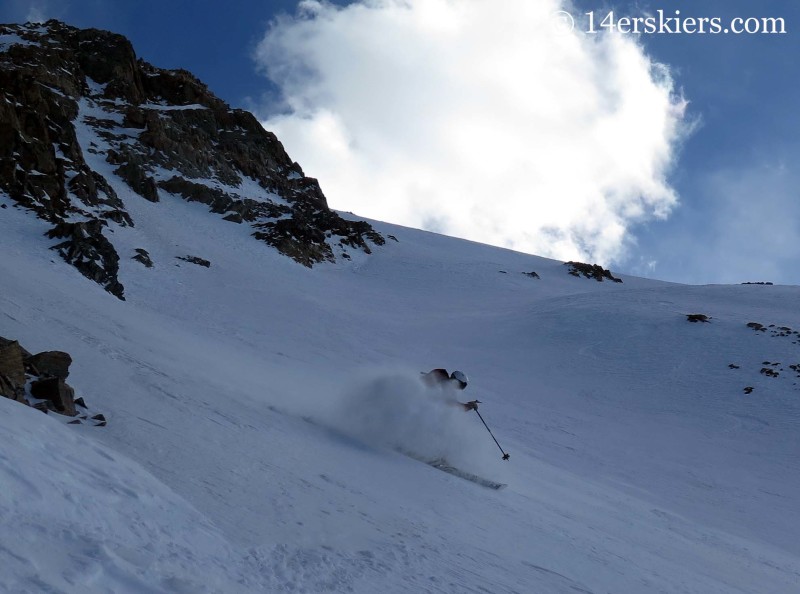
(255, 408)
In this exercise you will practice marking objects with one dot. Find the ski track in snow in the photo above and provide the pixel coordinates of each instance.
(637, 463)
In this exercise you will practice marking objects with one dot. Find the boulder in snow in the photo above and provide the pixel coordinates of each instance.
(56, 391)
(51, 364)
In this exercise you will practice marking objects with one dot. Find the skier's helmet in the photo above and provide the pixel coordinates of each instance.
(460, 377)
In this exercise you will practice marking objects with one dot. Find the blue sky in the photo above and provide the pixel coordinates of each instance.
(735, 177)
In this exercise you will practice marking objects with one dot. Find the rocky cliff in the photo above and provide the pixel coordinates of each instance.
(86, 126)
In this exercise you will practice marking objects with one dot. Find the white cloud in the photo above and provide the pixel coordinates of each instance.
(476, 118)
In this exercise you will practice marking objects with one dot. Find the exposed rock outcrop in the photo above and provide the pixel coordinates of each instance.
(697, 317)
(12, 370)
(594, 271)
(90, 252)
(56, 391)
(143, 257)
(12, 364)
(51, 364)
(196, 260)
(85, 125)
(38, 380)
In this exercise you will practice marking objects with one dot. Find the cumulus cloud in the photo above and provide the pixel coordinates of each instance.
(477, 119)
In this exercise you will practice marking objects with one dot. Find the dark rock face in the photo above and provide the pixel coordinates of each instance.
(695, 318)
(7, 388)
(51, 364)
(594, 271)
(90, 252)
(143, 257)
(196, 260)
(12, 364)
(85, 125)
(12, 370)
(57, 391)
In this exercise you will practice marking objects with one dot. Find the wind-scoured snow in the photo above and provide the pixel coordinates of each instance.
(96, 146)
(255, 409)
(9, 39)
(167, 107)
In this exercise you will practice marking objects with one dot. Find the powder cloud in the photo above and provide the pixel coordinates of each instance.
(477, 119)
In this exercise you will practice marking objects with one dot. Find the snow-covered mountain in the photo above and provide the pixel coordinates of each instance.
(256, 408)
(80, 113)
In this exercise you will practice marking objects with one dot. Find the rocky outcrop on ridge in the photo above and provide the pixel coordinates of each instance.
(86, 126)
(591, 271)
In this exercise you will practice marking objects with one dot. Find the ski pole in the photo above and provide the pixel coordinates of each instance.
(505, 456)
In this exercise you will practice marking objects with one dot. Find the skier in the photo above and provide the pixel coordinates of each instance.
(439, 378)
(456, 380)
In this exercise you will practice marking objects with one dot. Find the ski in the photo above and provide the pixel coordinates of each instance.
(467, 476)
(444, 466)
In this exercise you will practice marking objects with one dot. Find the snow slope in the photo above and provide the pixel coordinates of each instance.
(254, 408)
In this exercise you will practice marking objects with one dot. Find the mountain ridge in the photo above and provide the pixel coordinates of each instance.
(83, 120)
(256, 406)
